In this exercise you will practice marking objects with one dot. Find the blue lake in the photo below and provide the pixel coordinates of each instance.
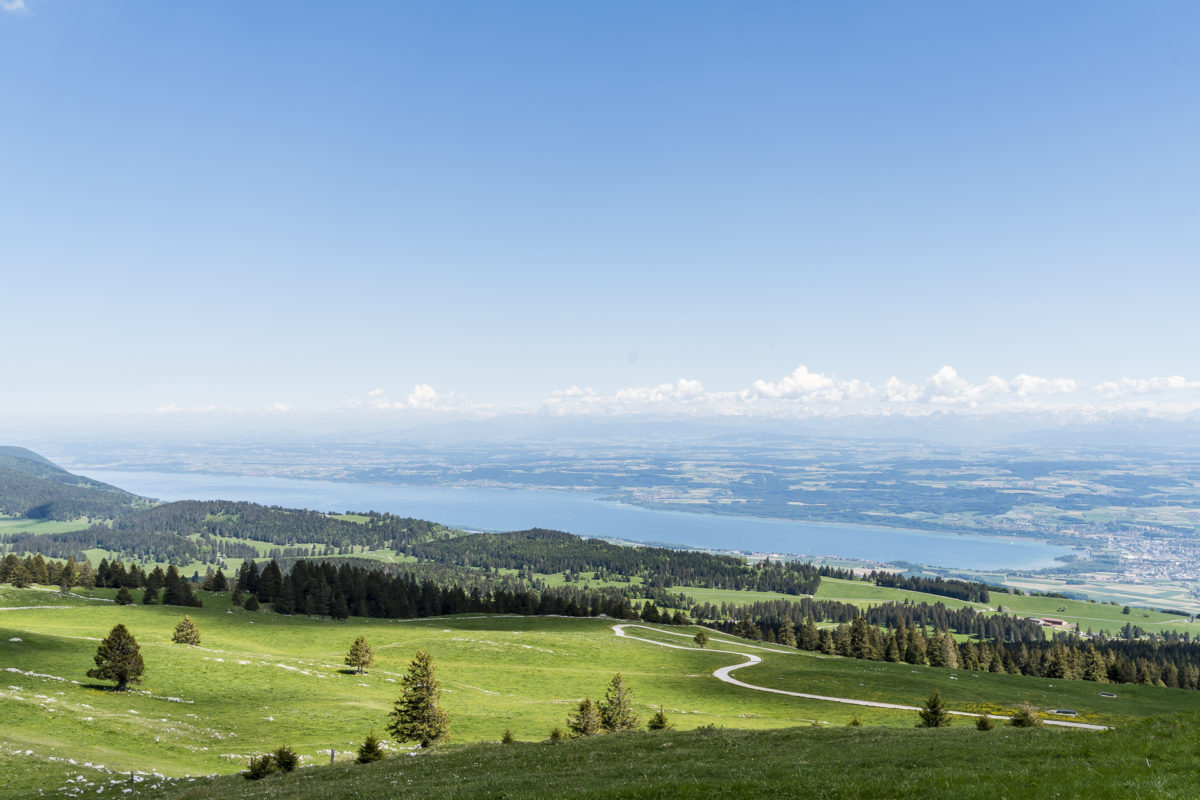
(515, 509)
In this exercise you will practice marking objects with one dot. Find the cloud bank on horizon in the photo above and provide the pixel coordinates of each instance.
(804, 393)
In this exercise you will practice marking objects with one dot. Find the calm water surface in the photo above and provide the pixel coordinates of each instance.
(515, 509)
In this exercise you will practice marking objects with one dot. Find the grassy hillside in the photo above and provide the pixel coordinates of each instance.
(260, 680)
(1150, 760)
(35, 488)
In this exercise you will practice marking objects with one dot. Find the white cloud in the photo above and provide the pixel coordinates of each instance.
(14, 6)
(1128, 386)
(423, 397)
(804, 392)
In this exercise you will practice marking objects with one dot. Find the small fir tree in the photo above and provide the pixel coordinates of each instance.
(118, 659)
(658, 721)
(360, 656)
(150, 596)
(123, 597)
(508, 737)
(369, 750)
(854, 722)
(584, 720)
(417, 715)
(186, 632)
(251, 603)
(286, 759)
(616, 710)
(701, 639)
(557, 736)
(984, 723)
(260, 767)
(934, 714)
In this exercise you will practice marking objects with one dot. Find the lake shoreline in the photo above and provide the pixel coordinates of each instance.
(575, 511)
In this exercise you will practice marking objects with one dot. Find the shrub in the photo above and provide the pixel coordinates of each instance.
(854, 722)
(260, 767)
(1025, 716)
(557, 736)
(507, 738)
(984, 723)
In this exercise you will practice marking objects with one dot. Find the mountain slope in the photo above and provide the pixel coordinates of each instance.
(32, 486)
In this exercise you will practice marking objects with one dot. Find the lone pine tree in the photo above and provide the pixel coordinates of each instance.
(417, 717)
(117, 659)
(934, 714)
(616, 710)
(369, 750)
(361, 655)
(186, 632)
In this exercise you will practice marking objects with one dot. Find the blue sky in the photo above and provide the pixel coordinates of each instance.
(597, 205)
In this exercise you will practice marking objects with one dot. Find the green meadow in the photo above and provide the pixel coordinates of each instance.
(1154, 759)
(260, 680)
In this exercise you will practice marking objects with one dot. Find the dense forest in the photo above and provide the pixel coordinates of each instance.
(547, 551)
(944, 587)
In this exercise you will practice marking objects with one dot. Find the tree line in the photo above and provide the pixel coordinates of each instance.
(1155, 661)
(547, 551)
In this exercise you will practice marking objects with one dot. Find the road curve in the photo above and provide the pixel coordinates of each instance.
(724, 674)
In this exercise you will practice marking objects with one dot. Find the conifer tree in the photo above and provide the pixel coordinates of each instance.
(934, 714)
(701, 639)
(584, 720)
(149, 596)
(186, 632)
(984, 723)
(117, 659)
(417, 715)
(616, 710)
(19, 576)
(68, 576)
(361, 655)
(658, 721)
(286, 759)
(87, 575)
(251, 603)
(810, 635)
(787, 633)
(123, 598)
(369, 750)
(173, 588)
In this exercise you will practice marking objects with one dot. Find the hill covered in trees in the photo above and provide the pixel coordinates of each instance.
(32, 486)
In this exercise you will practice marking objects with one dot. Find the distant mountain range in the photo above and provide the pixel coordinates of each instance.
(32, 486)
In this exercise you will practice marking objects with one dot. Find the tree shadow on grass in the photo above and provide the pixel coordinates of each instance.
(348, 672)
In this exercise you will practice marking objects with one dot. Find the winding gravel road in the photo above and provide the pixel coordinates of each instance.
(724, 674)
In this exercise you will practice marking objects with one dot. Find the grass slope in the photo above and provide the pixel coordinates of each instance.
(1153, 760)
(261, 680)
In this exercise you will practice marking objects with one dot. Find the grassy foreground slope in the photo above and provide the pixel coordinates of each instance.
(1151, 760)
(260, 680)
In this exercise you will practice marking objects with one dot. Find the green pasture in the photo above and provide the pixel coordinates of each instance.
(39, 526)
(1150, 760)
(260, 680)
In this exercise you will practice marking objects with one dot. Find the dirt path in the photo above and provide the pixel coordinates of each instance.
(724, 674)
